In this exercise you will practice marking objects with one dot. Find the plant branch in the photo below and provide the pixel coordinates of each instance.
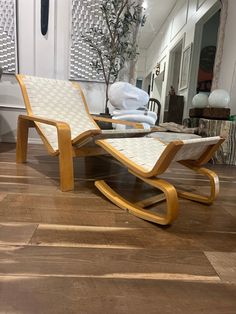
(116, 38)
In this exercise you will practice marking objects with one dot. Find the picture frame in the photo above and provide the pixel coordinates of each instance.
(185, 67)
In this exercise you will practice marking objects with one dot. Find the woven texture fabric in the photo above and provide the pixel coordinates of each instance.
(194, 148)
(7, 36)
(58, 100)
(167, 137)
(142, 151)
(145, 152)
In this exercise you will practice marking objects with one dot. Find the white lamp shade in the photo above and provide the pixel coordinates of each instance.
(200, 100)
(219, 98)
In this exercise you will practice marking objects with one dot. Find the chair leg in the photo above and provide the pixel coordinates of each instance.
(214, 186)
(65, 160)
(22, 139)
(170, 197)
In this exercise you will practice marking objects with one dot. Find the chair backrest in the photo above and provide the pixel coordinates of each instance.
(58, 100)
(155, 106)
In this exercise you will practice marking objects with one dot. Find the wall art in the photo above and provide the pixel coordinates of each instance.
(84, 15)
(8, 38)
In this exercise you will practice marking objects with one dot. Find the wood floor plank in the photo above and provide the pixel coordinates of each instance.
(2, 195)
(116, 237)
(16, 233)
(84, 208)
(135, 263)
(91, 295)
(137, 238)
(76, 252)
(224, 264)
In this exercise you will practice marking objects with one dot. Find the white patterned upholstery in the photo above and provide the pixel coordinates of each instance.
(58, 100)
(167, 137)
(145, 152)
(124, 133)
(194, 148)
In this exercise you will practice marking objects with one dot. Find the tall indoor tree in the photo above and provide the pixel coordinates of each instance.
(115, 42)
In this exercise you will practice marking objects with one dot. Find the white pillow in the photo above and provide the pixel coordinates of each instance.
(123, 95)
(117, 113)
(136, 118)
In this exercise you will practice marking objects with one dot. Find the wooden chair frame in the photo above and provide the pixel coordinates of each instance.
(170, 193)
(67, 148)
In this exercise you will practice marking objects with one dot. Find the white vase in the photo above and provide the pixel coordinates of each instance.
(219, 98)
(200, 100)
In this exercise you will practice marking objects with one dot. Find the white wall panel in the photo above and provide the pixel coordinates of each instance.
(43, 55)
(10, 94)
(62, 39)
(179, 19)
(199, 3)
(45, 45)
(192, 7)
(8, 126)
(26, 31)
(166, 33)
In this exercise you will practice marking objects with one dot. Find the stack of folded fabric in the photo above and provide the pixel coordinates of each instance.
(130, 104)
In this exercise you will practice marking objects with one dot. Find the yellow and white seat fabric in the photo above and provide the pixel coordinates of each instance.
(57, 100)
(147, 158)
(59, 112)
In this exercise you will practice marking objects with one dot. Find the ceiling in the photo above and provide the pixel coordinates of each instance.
(156, 12)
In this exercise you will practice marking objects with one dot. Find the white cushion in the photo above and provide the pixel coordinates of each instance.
(123, 95)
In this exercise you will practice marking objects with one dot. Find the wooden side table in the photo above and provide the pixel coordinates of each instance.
(225, 128)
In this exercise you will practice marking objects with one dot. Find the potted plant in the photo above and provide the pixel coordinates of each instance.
(115, 42)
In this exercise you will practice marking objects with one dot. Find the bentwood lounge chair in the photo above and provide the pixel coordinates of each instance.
(58, 111)
(147, 158)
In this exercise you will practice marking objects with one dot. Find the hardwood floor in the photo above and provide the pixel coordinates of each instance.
(75, 252)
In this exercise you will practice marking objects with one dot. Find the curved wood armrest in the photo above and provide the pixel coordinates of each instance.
(57, 124)
(133, 124)
(63, 133)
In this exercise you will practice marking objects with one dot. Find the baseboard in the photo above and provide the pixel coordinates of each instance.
(13, 140)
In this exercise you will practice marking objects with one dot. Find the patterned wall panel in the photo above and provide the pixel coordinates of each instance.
(85, 14)
(8, 59)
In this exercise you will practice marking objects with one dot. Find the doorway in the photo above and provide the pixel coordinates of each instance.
(203, 58)
(175, 62)
(207, 53)
(157, 87)
(174, 103)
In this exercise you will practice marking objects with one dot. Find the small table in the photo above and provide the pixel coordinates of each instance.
(167, 137)
(226, 154)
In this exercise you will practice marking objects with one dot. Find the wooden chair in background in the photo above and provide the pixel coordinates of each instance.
(155, 106)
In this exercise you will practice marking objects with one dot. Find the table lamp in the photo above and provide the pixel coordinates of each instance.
(219, 98)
